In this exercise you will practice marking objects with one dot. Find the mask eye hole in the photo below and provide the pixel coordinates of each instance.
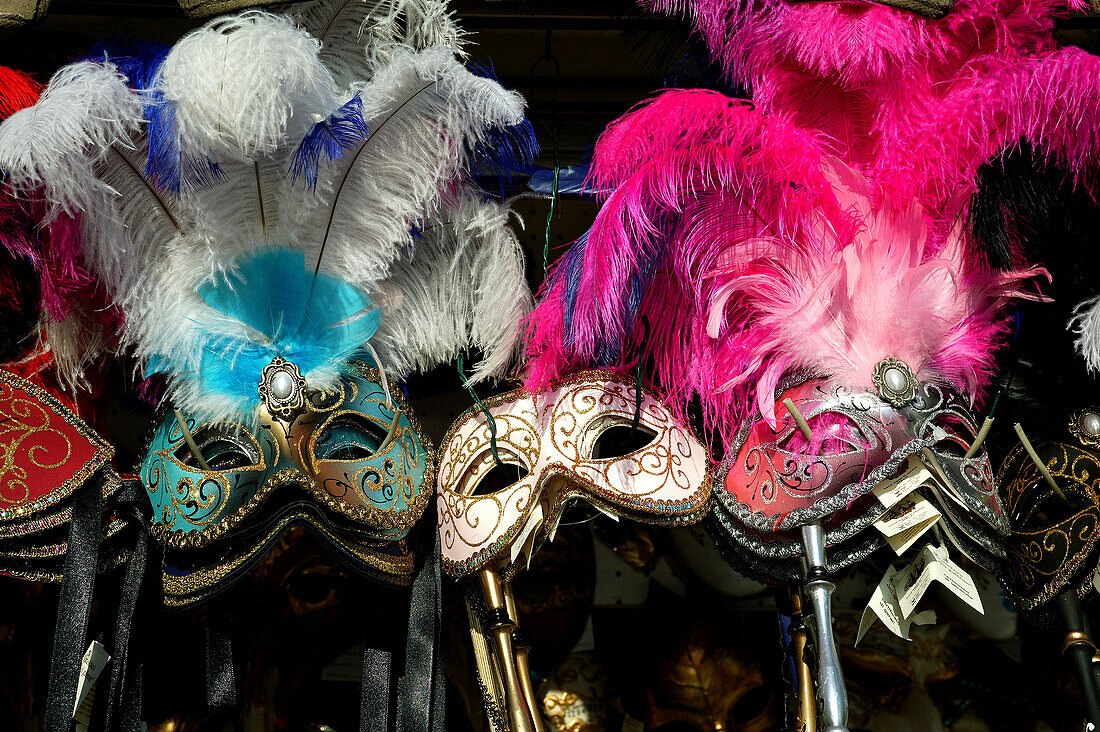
(1041, 508)
(619, 440)
(833, 433)
(499, 477)
(349, 437)
(953, 435)
(222, 446)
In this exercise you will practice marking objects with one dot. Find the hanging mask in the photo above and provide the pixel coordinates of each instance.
(775, 481)
(565, 444)
(49, 455)
(351, 464)
(1053, 545)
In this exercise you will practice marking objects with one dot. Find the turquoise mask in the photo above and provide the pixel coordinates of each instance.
(350, 464)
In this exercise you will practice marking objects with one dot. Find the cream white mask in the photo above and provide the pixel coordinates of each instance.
(558, 441)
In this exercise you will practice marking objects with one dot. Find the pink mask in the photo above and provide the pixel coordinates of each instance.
(775, 482)
(559, 438)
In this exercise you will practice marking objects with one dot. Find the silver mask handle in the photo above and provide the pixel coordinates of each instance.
(831, 691)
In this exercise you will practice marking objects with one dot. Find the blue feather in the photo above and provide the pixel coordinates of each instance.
(493, 163)
(570, 268)
(138, 61)
(313, 320)
(330, 137)
(166, 165)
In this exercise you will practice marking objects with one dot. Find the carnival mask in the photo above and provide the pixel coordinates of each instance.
(1053, 543)
(777, 481)
(565, 444)
(353, 461)
(48, 454)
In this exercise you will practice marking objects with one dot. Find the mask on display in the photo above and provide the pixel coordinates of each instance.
(829, 291)
(554, 449)
(557, 439)
(261, 351)
(773, 486)
(577, 696)
(1053, 544)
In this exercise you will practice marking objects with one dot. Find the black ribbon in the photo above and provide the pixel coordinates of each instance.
(221, 671)
(420, 704)
(421, 689)
(74, 604)
(124, 707)
(374, 691)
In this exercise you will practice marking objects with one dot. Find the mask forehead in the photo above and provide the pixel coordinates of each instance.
(555, 436)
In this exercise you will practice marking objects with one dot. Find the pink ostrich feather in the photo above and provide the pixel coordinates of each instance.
(857, 42)
(659, 158)
(836, 309)
(916, 104)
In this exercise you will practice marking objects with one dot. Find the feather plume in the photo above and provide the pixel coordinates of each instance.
(329, 137)
(463, 287)
(358, 36)
(85, 110)
(271, 305)
(657, 160)
(245, 85)
(838, 310)
(425, 112)
(73, 316)
(857, 45)
(752, 253)
(17, 90)
(186, 264)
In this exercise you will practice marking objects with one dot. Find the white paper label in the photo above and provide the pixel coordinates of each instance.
(95, 658)
(884, 606)
(907, 521)
(934, 564)
(911, 511)
(892, 490)
(520, 543)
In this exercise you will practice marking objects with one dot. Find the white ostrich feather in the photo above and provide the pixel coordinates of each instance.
(358, 36)
(1086, 324)
(52, 146)
(423, 110)
(244, 85)
(464, 287)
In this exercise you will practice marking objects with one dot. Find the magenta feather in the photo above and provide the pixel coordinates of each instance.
(858, 43)
(772, 256)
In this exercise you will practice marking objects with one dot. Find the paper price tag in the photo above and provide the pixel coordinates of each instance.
(959, 581)
(913, 476)
(526, 535)
(907, 521)
(884, 605)
(91, 666)
(934, 564)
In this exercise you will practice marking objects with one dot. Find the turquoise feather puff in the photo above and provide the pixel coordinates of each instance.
(273, 305)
